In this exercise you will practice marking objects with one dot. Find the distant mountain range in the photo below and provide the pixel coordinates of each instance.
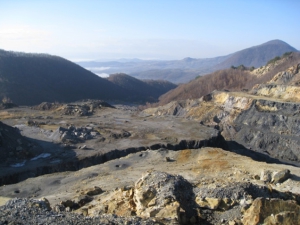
(29, 79)
(181, 71)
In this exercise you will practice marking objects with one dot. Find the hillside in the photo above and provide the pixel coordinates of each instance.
(185, 70)
(29, 79)
(149, 89)
(229, 79)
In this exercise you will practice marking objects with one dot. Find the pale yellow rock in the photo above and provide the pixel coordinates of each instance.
(271, 212)
(232, 222)
(283, 218)
(170, 211)
(142, 199)
(85, 211)
(210, 203)
(112, 207)
(152, 202)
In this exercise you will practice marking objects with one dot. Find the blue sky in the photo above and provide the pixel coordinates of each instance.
(147, 29)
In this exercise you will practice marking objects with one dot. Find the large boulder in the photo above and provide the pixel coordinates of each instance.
(158, 194)
(281, 176)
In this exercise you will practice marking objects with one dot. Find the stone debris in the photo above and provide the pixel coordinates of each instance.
(122, 134)
(35, 123)
(74, 134)
(210, 203)
(84, 109)
(164, 196)
(32, 211)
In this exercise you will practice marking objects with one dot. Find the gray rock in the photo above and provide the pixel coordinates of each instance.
(281, 176)
(31, 211)
(266, 175)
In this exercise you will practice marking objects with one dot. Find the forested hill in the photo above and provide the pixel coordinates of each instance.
(29, 79)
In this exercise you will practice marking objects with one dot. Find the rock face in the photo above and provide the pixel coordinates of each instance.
(262, 124)
(265, 120)
(270, 127)
(159, 194)
(271, 212)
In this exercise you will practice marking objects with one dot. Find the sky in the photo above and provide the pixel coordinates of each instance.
(146, 29)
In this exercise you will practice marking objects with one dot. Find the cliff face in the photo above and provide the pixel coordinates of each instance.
(266, 120)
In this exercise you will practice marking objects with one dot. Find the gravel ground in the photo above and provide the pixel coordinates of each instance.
(31, 211)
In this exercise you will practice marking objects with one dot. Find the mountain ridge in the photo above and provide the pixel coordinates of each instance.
(186, 69)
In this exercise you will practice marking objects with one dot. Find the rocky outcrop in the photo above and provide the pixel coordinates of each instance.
(270, 127)
(163, 195)
(172, 198)
(284, 85)
(83, 108)
(73, 134)
(272, 212)
(281, 176)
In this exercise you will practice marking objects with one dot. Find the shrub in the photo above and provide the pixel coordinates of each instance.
(273, 60)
